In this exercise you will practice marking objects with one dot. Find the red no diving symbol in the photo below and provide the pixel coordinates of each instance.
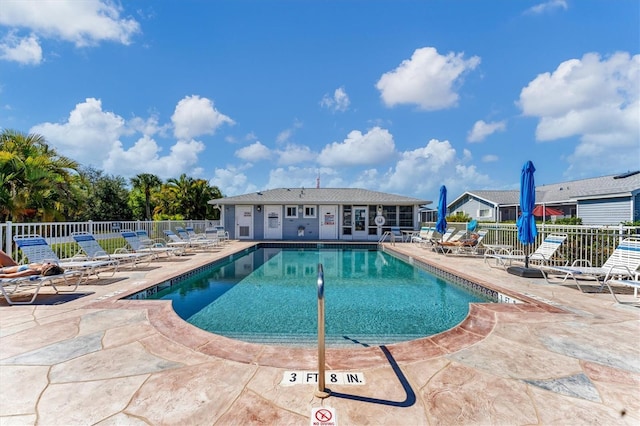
(323, 415)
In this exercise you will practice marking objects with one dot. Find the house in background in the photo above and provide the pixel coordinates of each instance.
(317, 214)
(606, 200)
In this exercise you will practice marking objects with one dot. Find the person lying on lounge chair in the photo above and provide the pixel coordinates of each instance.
(465, 242)
(10, 269)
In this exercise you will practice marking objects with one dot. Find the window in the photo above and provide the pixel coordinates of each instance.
(291, 211)
(309, 211)
(406, 216)
(484, 213)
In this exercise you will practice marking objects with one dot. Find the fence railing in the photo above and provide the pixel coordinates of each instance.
(583, 242)
(59, 234)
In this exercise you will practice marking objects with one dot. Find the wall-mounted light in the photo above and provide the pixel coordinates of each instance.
(259, 208)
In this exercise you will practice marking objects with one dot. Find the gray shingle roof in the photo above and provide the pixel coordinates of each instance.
(318, 196)
(570, 191)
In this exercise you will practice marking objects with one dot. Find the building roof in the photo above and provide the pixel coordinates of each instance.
(568, 192)
(318, 196)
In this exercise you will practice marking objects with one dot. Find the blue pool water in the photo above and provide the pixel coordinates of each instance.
(270, 296)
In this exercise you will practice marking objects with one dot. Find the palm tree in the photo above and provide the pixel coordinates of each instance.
(146, 183)
(189, 197)
(37, 182)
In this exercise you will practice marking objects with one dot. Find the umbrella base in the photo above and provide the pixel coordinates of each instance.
(525, 272)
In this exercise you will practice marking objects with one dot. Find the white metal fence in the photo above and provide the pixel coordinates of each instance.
(59, 234)
(583, 242)
(593, 243)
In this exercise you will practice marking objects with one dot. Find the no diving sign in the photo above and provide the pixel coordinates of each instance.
(323, 416)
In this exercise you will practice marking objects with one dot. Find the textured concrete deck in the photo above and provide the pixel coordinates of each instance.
(565, 358)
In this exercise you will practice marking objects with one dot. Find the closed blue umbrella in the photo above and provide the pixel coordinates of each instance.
(441, 224)
(527, 230)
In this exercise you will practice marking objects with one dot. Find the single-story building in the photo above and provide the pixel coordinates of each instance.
(317, 214)
(605, 200)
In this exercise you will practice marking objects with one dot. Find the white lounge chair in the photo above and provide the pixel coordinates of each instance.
(425, 234)
(37, 250)
(138, 246)
(10, 287)
(445, 237)
(94, 251)
(195, 244)
(197, 238)
(542, 255)
(635, 284)
(467, 246)
(623, 263)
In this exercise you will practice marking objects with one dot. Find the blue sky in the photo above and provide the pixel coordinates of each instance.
(393, 96)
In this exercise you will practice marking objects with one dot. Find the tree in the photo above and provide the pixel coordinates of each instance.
(189, 197)
(38, 184)
(107, 197)
(146, 183)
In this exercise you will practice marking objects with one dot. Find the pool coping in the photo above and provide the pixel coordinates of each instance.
(477, 325)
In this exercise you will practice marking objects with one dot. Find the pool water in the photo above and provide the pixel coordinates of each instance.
(270, 296)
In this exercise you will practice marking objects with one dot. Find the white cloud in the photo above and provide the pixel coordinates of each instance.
(25, 50)
(490, 158)
(295, 154)
(428, 79)
(374, 147)
(293, 177)
(254, 152)
(195, 116)
(425, 169)
(547, 6)
(92, 136)
(481, 130)
(339, 102)
(594, 99)
(232, 181)
(83, 23)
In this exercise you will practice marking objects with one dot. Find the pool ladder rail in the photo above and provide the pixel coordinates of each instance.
(322, 391)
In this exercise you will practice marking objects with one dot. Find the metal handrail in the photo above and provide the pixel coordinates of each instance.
(322, 391)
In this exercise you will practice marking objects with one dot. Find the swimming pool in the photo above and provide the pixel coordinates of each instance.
(269, 295)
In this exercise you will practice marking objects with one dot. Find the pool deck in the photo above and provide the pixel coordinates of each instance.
(566, 357)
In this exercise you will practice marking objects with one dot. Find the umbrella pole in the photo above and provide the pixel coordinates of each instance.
(526, 256)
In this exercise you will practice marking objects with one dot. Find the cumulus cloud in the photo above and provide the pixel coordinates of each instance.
(481, 130)
(594, 99)
(232, 180)
(373, 147)
(424, 169)
(196, 116)
(428, 79)
(93, 136)
(84, 23)
(24, 50)
(254, 152)
(338, 102)
(490, 158)
(295, 154)
(547, 6)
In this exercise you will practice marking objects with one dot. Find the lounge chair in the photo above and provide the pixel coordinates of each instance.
(464, 247)
(635, 284)
(138, 246)
(10, 287)
(623, 263)
(542, 255)
(37, 250)
(193, 244)
(147, 241)
(425, 234)
(198, 238)
(445, 237)
(94, 251)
